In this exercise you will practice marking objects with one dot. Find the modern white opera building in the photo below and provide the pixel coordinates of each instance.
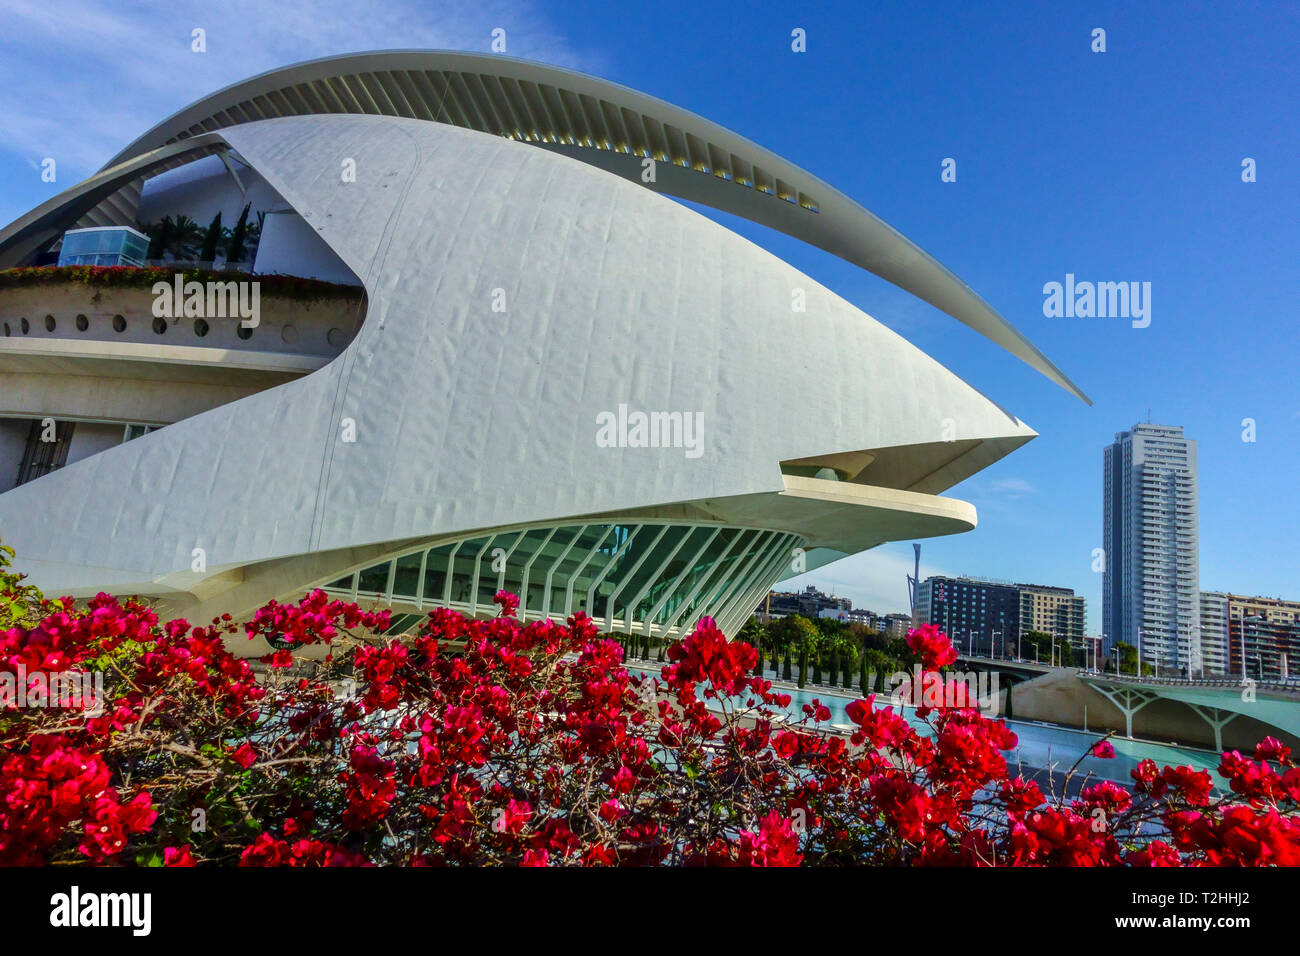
(514, 304)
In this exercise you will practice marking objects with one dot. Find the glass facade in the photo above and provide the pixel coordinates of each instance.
(109, 246)
(656, 579)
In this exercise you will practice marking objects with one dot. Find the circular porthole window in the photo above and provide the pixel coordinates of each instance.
(159, 325)
(24, 325)
(336, 337)
(119, 323)
(83, 323)
(244, 332)
(49, 323)
(289, 335)
(200, 327)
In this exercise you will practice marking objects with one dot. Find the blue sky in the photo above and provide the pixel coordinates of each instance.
(1115, 166)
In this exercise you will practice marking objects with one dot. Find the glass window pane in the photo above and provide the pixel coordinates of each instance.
(487, 574)
(406, 581)
(463, 570)
(435, 574)
(374, 579)
(583, 543)
(547, 557)
(514, 572)
(695, 573)
(694, 541)
(655, 556)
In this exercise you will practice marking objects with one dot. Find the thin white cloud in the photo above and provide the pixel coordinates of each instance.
(83, 78)
(1012, 487)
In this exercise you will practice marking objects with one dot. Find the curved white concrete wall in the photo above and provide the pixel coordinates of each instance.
(469, 418)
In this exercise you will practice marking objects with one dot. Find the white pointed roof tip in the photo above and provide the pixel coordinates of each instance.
(561, 109)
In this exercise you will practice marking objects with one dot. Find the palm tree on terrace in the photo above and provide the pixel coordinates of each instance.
(184, 237)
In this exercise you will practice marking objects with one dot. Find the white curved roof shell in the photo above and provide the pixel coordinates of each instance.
(468, 418)
(597, 122)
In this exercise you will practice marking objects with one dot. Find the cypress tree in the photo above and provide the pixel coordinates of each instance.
(235, 251)
(208, 252)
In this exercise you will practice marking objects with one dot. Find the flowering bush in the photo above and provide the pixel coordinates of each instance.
(495, 742)
(144, 277)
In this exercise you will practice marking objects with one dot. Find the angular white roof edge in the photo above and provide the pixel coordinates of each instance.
(560, 109)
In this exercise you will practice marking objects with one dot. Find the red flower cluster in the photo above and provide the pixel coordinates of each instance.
(708, 657)
(313, 620)
(498, 742)
(929, 644)
(51, 789)
(266, 850)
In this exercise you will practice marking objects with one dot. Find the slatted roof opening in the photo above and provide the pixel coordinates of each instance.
(516, 109)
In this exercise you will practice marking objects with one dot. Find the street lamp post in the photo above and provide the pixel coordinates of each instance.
(1243, 646)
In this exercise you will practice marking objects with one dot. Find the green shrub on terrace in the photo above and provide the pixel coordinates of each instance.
(130, 277)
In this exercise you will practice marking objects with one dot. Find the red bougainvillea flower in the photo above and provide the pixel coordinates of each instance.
(313, 620)
(245, 756)
(1192, 785)
(371, 787)
(707, 656)
(858, 710)
(1270, 748)
(178, 856)
(266, 850)
(775, 843)
(513, 817)
(490, 742)
(1021, 796)
(509, 603)
(1103, 749)
(1157, 853)
(1110, 797)
(1254, 780)
(929, 644)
